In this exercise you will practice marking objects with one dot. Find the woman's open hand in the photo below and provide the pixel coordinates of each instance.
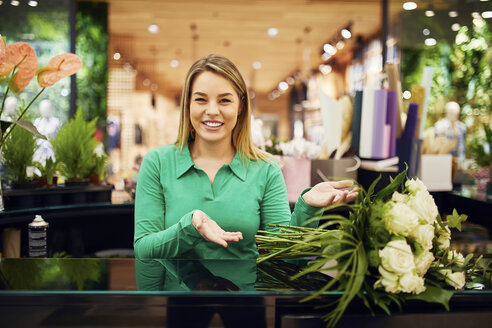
(211, 231)
(330, 192)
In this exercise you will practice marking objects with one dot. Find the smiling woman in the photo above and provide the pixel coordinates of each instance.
(207, 195)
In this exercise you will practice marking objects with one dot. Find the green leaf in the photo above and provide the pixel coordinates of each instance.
(4, 125)
(28, 126)
(392, 187)
(455, 220)
(434, 295)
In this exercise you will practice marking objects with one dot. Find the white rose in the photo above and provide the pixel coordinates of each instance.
(456, 279)
(388, 280)
(398, 198)
(444, 238)
(423, 204)
(415, 185)
(399, 218)
(424, 234)
(412, 283)
(423, 262)
(456, 257)
(397, 257)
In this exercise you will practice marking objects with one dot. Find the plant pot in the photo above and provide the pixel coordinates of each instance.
(77, 183)
(25, 185)
(94, 179)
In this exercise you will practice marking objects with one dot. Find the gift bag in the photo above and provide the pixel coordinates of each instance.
(297, 175)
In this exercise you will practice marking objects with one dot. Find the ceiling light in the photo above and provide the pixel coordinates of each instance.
(33, 3)
(430, 11)
(153, 28)
(329, 49)
(325, 69)
(487, 14)
(1, 2)
(256, 65)
(290, 80)
(174, 63)
(407, 94)
(116, 56)
(340, 44)
(275, 93)
(478, 22)
(346, 33)
(430, 42)
(146, 82)
(153, 87)
(426, 31)
(15, 3)
(453, 13)
(283, 86)
(410, 5)
(272, 31)
(455, 27)
(64, 92)
(325, 56)
(475, 14)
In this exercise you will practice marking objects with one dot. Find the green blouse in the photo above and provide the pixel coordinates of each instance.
(245, 196)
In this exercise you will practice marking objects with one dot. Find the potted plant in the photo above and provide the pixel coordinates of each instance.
(481, 149)
(74, 147)
(17, 152)
(48, 171)
(18, 66)
(99, 169)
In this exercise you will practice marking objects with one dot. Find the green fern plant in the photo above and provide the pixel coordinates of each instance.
(18, 150)
(74, 147)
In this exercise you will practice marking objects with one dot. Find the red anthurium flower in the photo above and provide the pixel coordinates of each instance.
(57, 68)
(23, 57)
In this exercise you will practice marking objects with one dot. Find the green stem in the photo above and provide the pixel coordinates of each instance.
(6, 91)
(22, 114)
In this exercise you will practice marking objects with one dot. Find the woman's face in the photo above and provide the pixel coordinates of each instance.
(214, 107)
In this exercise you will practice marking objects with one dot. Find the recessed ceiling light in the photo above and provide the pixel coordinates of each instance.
(329, 49)
(283, 86)
(153, 28)
(407, 95)
(116, 56)
(290, 80)
(15, 3)
(455, 27)
(33, 3)
(430, 42)
(174, 63)
(256, 65)
(429, 12)
(426, 31)
(487, 14)
(346, 33)
(325, 69)
(1, 2)
(453, 13)
(146, 82)
(410, 5)
(272, 31)
(340, 44)
(325, 56)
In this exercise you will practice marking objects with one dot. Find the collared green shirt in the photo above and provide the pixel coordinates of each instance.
(246, 196)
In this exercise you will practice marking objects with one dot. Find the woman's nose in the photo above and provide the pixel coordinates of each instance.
(212, 108)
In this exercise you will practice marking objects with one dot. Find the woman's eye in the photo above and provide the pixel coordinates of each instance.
(200, 99)
(225, 100)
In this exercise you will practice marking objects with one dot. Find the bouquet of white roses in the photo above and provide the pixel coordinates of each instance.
(392, 247)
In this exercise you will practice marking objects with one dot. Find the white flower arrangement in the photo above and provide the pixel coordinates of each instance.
(393, 246)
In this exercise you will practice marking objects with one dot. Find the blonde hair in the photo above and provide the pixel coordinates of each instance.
(241, 134)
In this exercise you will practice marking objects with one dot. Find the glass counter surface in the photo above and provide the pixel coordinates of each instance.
(87, 292)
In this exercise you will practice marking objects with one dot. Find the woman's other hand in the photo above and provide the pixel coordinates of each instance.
(211, 231)
(330, 192)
